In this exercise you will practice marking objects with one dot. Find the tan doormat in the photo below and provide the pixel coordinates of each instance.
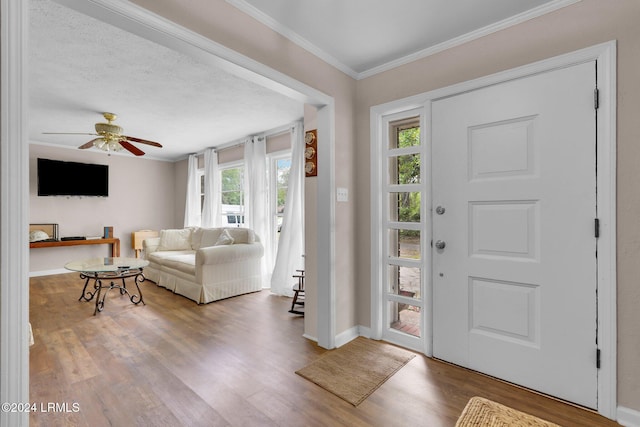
(481, 412)
(355, 370)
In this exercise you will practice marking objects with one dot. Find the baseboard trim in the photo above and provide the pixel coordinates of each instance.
(628, 417)
(309, 337)
(346, 336)
(48, 272)
(364, 331)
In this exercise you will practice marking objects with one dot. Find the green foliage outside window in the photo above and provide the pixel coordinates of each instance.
(232, 186)
(409, 173)
(282, 176)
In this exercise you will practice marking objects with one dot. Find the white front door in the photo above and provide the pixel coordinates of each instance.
(514, 205)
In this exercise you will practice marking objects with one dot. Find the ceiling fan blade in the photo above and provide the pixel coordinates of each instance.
(68, 133)
(134, 150)
(143, 141)
(89, 144)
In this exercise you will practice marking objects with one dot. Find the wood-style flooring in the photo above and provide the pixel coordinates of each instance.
(228, 363)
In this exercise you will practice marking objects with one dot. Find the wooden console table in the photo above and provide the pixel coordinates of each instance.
(114, 242)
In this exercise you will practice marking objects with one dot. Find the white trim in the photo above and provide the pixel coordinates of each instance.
(607, 255)
(310, 338)
(347, 336)
(628, 417)
(326, 226)
(331, 60)
(380, 259)
(605, 55)
(364, 331)
(473, 35)
(14, 211)
(288, 33)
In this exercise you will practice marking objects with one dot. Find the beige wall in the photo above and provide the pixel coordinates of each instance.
(578, 26)
(180, 179)
(141, 196)
(223, 23)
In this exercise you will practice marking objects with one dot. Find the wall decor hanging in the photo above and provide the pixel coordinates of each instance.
(311, 153)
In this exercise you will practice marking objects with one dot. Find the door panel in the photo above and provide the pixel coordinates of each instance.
(515, 284)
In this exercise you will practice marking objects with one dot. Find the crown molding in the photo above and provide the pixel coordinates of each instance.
(473, 35)
(287, 32)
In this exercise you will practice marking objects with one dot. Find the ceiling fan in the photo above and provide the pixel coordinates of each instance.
(110, 137)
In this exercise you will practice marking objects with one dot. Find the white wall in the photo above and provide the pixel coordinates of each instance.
(142, 194)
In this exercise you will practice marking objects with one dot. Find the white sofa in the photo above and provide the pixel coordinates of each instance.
(205, 264)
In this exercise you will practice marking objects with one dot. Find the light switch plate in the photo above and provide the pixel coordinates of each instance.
(342, 194)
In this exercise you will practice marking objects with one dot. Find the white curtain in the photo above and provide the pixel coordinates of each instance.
(211, 208)
(256, 199)
(192, 214)
(291, 244)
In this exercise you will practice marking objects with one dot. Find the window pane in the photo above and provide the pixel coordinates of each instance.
(283, 168)
(404, 207)
(231, 179)
(404, 244)
(405, 137)
(404, 169)
(404, 281)
(201, 192)
(404, 318)
(232, 196)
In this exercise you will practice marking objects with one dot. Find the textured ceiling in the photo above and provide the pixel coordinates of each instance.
(80, 67)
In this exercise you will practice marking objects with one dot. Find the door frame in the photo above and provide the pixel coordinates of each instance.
(605, 55)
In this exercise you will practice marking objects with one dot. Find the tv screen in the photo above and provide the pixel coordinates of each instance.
(59, 178)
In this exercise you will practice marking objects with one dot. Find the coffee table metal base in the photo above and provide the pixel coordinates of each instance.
(100, 290)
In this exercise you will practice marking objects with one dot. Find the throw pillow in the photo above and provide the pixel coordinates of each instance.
(175, 240)
(209, 237)
(224, 239)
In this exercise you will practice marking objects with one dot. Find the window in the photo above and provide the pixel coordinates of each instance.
(232, 195)
(280, 167)
(404, 188)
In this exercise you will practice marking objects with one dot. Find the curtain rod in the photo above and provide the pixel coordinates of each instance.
(240, 142)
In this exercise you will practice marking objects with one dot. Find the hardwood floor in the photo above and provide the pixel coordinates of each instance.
(228, 363)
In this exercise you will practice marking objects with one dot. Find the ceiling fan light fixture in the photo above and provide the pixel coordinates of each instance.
(108, 128)
(114, 145)
(99, 143)
(110, 138)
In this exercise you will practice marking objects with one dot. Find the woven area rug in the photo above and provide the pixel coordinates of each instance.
(355, 370)
(481, 412)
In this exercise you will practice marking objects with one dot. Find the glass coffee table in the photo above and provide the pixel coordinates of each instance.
(108, 270)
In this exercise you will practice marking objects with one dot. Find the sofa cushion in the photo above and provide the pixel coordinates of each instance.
(224, 239)
(175, 240)
(159, 257)
(185, 263)
(242, 235)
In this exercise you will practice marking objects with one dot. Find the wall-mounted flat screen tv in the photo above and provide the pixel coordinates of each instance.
(59, 178)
